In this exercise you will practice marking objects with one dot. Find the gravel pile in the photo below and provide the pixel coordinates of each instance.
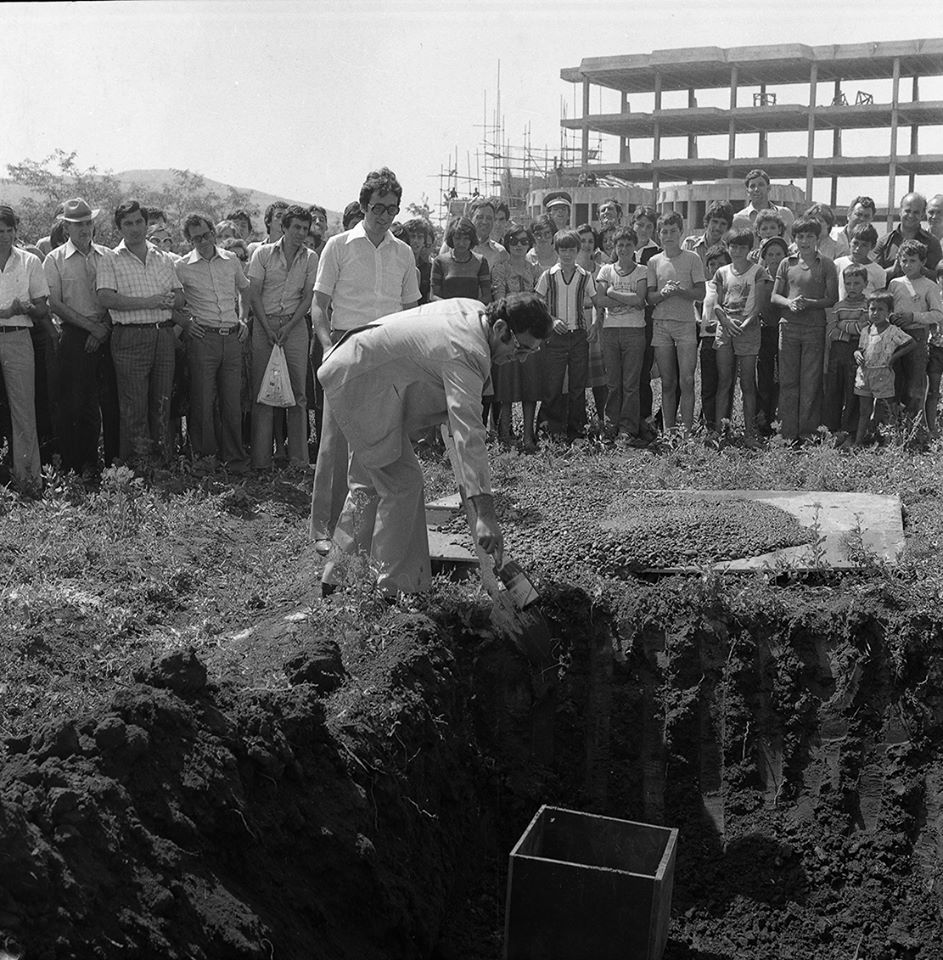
(564, 533)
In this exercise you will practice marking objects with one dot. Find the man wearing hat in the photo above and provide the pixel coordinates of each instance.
(88, 393)
(557, 206)
(23, 295)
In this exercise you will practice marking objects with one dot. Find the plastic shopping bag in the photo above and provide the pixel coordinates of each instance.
(276, 385)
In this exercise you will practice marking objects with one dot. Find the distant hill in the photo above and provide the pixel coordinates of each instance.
(13, 193)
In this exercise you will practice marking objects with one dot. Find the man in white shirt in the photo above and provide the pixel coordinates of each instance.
(23, 296)
(757, 184)
(363, 274)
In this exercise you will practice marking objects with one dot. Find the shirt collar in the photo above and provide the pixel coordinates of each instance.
(123, 248)
(357, 232)
(194, 257)
(71, 248)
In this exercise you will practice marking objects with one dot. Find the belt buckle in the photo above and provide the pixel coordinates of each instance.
(224, 331)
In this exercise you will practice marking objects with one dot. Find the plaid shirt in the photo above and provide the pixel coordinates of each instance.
(120, 270)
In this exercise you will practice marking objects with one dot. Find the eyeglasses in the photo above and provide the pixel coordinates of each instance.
(378, 209)
(523, 350)
(195, 237)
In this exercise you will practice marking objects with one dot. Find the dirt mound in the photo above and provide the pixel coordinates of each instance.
(190, 821)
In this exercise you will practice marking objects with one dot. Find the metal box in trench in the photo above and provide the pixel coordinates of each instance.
(585, 887)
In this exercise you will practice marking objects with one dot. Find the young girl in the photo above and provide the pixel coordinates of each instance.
(543, 254)
(596, 375)
(458, 272)
(515, 382)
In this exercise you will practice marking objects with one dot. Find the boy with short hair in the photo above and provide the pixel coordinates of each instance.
(880, 345)
(734, 301)
(715, 258)
(917, 308)
(620, 301)
(843, 325)
(806, 285)
(568, 290)
(717, 219)
(675, 282)
(861, 244)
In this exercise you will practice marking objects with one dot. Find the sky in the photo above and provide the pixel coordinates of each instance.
(302, 99)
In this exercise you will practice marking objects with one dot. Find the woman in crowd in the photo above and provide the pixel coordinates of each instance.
(516, 382)
(459, 272)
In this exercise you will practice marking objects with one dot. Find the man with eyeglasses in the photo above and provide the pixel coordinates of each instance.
(757, 184)
(363, 274)
(213, 287)
(398, 376)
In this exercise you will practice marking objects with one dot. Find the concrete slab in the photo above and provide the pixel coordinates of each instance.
(876, 518)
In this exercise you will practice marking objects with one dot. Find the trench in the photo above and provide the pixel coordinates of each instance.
(791, 733)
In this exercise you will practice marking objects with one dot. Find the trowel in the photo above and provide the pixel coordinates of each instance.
(515, 612)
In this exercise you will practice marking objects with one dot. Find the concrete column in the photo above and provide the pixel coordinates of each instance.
(625, 150)
(584, 147)
(914, 131)
(810, 152)
(692, 139)
(763, 145)
(732, 128)
(656, 133)
(892, 167)
(836, 149)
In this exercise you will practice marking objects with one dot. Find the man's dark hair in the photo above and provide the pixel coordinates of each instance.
(315, 208)
(270, 211)
(154, 214)
(57, 236)
(478, 203)
(352, 212)
(194, 220)
(614, 202)
(240, 215)
(523, 313)
(380, 181)
(420, 225)
(295, 212)
(719, 210)
(670, 219)
(498, 204)
(128, 207)
(754, 173)
(8, 217)
(865, 202)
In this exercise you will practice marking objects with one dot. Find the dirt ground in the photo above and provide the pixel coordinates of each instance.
(342, 779)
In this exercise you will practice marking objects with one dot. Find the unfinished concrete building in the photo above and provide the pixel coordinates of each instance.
(832, 77)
